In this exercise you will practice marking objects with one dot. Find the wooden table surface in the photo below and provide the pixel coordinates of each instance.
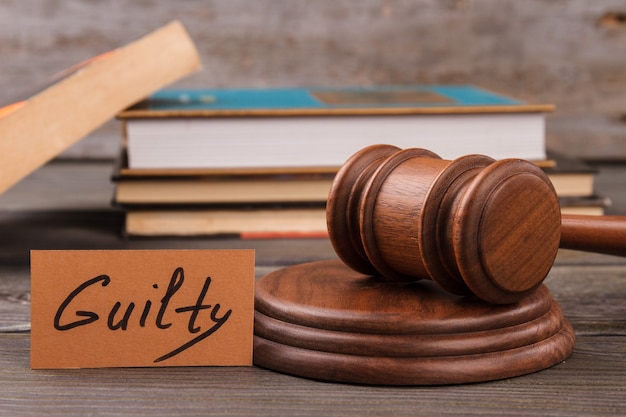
(66, 206)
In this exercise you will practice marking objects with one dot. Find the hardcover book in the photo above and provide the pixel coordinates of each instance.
(292, 128)
(38, 126)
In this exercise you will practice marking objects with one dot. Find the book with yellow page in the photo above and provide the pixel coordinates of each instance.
(38, 127)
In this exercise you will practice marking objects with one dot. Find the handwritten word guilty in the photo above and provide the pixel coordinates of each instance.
(83, 318)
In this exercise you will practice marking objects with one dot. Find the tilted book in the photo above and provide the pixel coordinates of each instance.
(39, 126)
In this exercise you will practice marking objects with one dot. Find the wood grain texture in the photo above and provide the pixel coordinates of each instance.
(473, 225)
(411, 345)
(563, 52)
(592, 296)
(328, 295)
(407, 371)
(589, 288)
(606, 234)
(590, 382)
(322, 320)
(14, 299)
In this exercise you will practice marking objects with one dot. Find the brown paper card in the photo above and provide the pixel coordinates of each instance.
(106, 308)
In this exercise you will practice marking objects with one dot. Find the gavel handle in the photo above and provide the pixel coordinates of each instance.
(602, 234)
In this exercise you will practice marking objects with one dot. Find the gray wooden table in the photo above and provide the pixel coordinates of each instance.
(66, 206)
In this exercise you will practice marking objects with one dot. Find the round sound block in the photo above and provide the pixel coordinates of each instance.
(322, 320)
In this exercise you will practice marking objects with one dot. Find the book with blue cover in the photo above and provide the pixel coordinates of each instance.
(305, 128)
(347, 100)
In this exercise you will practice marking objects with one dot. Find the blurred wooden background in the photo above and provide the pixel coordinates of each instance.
(568, 52)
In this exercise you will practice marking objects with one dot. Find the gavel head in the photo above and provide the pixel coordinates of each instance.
(473, 225)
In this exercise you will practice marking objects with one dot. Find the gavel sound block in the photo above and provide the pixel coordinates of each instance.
(483, 233)
(323, 320)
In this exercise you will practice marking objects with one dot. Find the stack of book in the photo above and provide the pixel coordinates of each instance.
(573, 181)
(260, 162)
(192, 202)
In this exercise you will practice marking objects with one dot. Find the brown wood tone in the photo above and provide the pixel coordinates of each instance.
(606, 234)
(360, 303)
(409, 344)
(323, 320)
(66, 206)
(343, 209)
(473, 225)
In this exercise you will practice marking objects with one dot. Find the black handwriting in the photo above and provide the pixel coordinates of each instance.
(113, 323)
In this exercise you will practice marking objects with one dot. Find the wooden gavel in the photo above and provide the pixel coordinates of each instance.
(473, 225)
